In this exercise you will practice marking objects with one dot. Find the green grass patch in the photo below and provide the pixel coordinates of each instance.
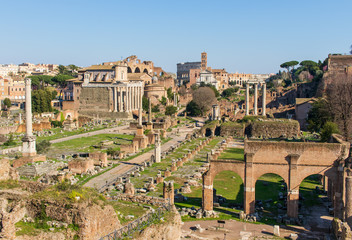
(233, 153)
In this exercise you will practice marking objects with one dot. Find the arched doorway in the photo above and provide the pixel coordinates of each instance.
(208, 132)
(314, 204)
(137, 70)
(270, 196)
(129, 70)
(228, 190)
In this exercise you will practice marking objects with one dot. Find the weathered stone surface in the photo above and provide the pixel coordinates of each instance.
(169, 230)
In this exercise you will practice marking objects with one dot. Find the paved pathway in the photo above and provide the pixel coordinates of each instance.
(99, 181)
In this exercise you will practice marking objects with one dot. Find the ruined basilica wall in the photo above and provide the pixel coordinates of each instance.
(323, 154)
(275, 129)
(218, 166)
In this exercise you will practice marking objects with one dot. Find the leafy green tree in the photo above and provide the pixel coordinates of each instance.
(229, 92)
(163, 101)
(170, 94)
(155, 108)
(170, 110)
(318, 115)
(328, 129)
(193, 109)
(311, 66)
(7, 103)
(62, 69)
(288, 65)
(145, 104)
(41, 101)
(61, 79)
(53, 94)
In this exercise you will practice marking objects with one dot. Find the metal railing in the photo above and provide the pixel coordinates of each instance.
(126, 232)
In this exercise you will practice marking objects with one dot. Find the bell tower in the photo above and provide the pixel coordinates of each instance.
(204, 60)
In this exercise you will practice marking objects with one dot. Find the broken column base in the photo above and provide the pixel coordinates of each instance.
(28, 159)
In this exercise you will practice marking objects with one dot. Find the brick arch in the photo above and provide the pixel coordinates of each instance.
(236, 168)
(281, 171)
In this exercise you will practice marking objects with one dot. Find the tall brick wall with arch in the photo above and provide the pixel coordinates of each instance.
(293, 161)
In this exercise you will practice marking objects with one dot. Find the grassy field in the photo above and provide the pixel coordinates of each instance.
(86, 143)
(233, 153)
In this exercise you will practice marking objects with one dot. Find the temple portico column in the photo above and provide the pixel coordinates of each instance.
(125, 100)
(256, 99)
(264, 100)
(115, 99)
(120, 100)
(247, 98)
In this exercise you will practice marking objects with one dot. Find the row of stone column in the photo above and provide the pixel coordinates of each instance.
(256, 99)
(126, 99)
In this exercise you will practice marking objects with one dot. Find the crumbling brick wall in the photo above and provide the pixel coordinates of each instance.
(274, 129)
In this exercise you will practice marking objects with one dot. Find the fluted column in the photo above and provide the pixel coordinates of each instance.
(247, 98)
(120, 100)
(256, 99)
(264, 100)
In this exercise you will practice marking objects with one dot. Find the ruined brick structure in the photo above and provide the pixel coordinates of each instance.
(293, 161)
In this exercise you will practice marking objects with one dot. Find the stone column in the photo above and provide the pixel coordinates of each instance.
(264, 100)
(150, 111)
(293, 187)
(157, 149)
(207, 192)
(134, 98)
(175, 99)
(115, 99)
(249, 189)
(348, 201)
(247, 98)
(28, 147)
(256, 99)
(168, 191)
(325, 183)
(120, 100)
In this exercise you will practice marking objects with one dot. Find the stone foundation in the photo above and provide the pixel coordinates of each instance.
(25, 160)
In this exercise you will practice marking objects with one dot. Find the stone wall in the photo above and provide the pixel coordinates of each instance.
(81, 165)
(169, 230)
(232, 129)
(274, 129)
(99, 158)
(341, 230)
(6, 171)
(93, 220)
(96, 101)
(8, 130)
(143, 199)
(36, 127)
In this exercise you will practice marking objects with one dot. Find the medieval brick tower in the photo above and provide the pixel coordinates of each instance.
(204, 58)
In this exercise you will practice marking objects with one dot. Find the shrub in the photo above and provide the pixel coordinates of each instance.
(43, 146)
(328, 129)
(170, 110)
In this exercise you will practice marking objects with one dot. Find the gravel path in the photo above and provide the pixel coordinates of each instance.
(99, 181)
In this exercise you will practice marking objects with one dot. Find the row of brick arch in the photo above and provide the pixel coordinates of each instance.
(136, 70)
(250, 178)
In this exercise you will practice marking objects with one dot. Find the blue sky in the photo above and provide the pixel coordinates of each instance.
(252, 36)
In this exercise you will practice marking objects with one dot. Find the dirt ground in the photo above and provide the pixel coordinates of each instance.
(241, 230)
